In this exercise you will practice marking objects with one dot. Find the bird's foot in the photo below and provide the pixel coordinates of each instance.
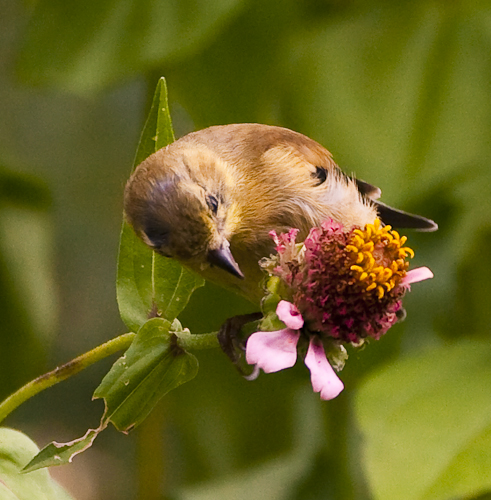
(232, 341)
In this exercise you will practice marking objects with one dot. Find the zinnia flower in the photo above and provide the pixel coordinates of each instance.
(274, 351)
(339, 286)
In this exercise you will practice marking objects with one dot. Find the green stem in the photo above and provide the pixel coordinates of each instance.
(63, 372)
(186, 341)
(342, 483)
(191, 342)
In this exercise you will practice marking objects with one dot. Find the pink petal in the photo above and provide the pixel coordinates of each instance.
(418, 274)
(322, 375)
(289, 314)
(330, 225)
(272, 351)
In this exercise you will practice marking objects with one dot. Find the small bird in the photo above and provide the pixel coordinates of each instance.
(211, 198)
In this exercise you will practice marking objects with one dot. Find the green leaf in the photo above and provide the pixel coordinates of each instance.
(148, 284)
(29, 299)
(416, 108)
(275, 478)
(427, 422)
(62, 453)
(231, 81)
(16, 449)
(86, 49)
(150, 368)
(23, 190)
(157, 132)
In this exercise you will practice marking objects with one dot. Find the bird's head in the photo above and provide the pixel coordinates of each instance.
(178, 202)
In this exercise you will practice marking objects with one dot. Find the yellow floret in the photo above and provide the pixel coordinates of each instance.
(378, 257)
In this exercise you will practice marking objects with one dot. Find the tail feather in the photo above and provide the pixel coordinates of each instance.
(393, 216)
(399, 218)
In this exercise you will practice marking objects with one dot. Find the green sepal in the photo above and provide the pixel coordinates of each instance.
(336, 353)
(269, 303)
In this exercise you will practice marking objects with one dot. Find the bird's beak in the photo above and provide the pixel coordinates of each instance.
(222, 257)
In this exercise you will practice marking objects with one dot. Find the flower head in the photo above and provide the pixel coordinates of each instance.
(348, 285)
(343, 286)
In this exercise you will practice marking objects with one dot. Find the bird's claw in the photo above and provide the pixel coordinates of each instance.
(232, 342)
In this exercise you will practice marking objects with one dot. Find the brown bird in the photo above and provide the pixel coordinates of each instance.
(211, 198)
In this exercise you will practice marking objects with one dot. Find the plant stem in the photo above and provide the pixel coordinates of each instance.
(342, 483)
(186, 341)
(197, 342)
(63, 372)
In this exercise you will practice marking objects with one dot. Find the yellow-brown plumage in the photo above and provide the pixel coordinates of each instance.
(232, 185)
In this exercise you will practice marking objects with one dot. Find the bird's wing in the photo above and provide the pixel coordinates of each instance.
(368, 190)
(268, 146)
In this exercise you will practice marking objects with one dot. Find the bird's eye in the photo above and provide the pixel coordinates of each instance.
(212, 203)
(320, 174)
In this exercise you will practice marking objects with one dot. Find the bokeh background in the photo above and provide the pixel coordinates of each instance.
(399, 92)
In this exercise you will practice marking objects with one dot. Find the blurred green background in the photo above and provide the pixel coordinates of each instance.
(399, 92)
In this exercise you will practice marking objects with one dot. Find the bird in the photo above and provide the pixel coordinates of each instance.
(211, 199)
